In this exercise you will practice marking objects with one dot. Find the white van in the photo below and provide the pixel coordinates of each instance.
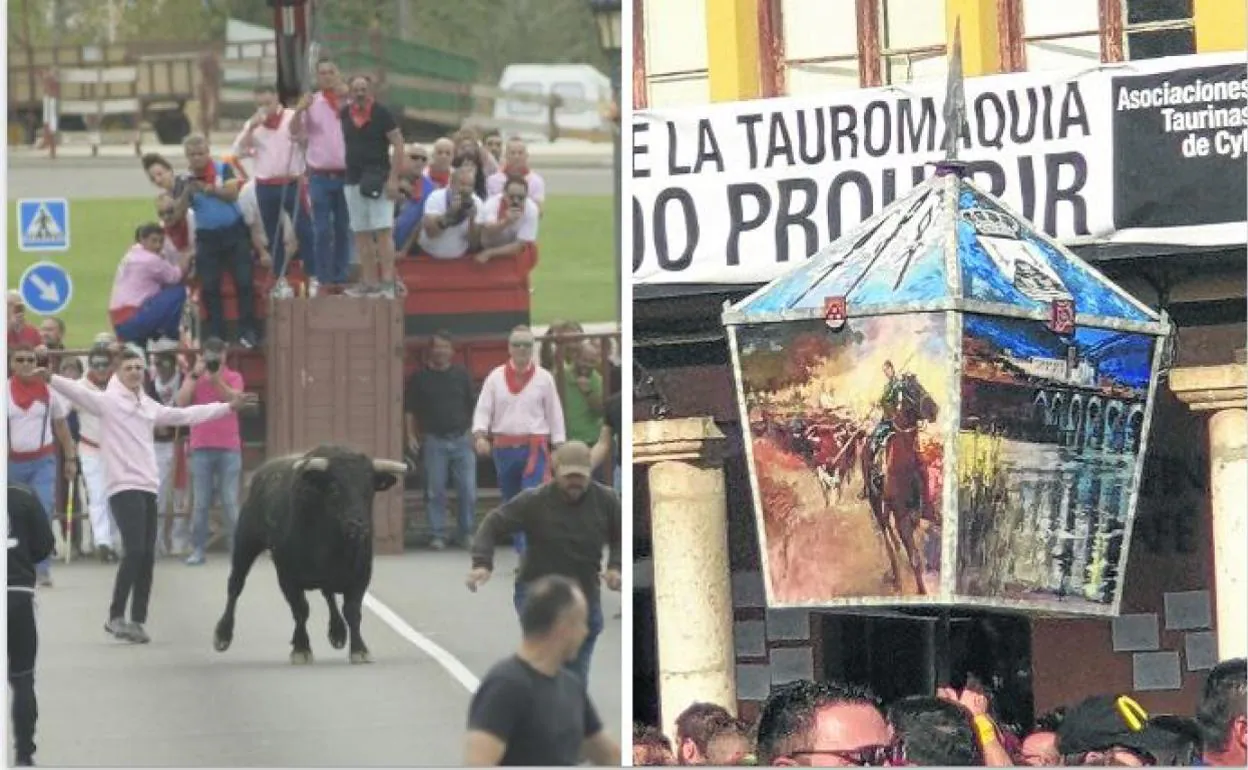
(584, 89)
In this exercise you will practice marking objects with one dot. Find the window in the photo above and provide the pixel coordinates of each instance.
(675, 53)
(1157, 28)
(1060, 34)
(517, 107)
(818, 45)
(573, 95)
(835, 45)
(912, 40)
(1073, 34)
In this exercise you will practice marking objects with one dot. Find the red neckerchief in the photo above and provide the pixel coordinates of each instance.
(331, 98)
(179, 233)
(440, 179)
(522, 171)
(209, 175)
(27, 391)
(361, 115)
(517, 380)
(418, 190)
(274, 121)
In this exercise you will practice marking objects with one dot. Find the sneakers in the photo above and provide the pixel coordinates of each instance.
(45, 580)
(248, 340)
(314, 287)
(127, 631)
(196, 558)
(438, 544)
(282, 290)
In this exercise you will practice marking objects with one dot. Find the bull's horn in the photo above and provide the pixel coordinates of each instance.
(390, 466)
(312, 464)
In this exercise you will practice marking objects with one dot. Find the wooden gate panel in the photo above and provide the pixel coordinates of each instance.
(335, 367)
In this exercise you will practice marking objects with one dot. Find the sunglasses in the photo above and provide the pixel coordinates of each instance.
(165, 212)
(23, 359)
(865, 756)
(418, 157)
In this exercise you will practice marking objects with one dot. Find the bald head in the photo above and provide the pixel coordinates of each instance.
(443, 153)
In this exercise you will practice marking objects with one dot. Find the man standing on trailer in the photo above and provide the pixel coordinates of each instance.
(278, 163)
(374, 156)
(316, 121)
(517, 419)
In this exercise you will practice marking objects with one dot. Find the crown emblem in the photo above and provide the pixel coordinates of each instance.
(992, 223)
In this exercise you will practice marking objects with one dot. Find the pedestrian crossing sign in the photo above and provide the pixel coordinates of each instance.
(43, 224)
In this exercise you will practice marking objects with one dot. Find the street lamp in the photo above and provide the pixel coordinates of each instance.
(607, 14)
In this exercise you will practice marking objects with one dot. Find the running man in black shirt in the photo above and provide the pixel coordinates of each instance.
(438, 417)
(30, 541)
(567, 523)
(529, 710)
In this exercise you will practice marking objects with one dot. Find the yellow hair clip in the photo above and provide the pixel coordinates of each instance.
(1132, 713)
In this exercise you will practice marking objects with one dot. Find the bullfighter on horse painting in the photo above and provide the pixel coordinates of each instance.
(901, 403)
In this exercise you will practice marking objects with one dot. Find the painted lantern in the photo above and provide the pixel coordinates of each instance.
(945, 406)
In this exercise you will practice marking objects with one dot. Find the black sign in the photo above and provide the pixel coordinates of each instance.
(1180, 147)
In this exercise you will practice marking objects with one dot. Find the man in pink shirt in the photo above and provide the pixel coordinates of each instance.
(216, 446)
(317, 121)
(517, 164)
(148, 293)
(128, 417)
(277, 165)
(518, 417)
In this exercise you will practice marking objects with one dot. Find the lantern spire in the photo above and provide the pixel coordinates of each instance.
(955, 105)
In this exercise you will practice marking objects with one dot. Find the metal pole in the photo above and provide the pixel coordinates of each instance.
(616, 184)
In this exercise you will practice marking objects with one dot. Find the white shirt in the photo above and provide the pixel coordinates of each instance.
(453, 242)
(534, 411)
(524, 229)
(249, 204)
(31, 429)
(88, 423)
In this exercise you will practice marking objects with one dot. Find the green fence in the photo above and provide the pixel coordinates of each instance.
(374, 52)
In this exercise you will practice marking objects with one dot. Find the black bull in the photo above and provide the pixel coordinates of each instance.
(314, 512)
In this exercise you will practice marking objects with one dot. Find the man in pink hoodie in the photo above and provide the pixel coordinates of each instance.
(127, 418)
(147, 290)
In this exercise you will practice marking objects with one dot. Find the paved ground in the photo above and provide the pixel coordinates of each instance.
(176, 702)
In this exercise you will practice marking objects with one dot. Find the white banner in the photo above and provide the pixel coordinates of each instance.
(1142, 152)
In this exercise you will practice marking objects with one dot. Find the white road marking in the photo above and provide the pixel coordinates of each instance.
(446, 660)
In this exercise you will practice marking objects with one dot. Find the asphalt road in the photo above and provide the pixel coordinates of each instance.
(80, 178)
(177, 703)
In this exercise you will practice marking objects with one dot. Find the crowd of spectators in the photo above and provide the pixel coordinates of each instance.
(829, 724)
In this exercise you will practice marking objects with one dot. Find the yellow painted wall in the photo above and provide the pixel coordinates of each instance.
(1221, 25)
(732, 49)
(981, 54)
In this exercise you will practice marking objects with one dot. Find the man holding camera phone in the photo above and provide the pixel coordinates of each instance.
(449, 229)
(508, 221)
(216, 446)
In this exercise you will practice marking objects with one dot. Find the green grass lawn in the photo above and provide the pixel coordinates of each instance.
(573, 280)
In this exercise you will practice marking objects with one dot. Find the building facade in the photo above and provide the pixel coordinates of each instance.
(702, 629)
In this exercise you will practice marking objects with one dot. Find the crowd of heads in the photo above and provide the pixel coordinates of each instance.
(828, 724)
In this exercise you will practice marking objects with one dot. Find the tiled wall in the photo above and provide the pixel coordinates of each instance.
(772, 646)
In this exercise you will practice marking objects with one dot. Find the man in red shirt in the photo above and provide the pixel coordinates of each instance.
(20, 332)
(216, 446)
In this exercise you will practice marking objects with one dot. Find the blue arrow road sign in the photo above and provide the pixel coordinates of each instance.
(43, 224)
(46, 288)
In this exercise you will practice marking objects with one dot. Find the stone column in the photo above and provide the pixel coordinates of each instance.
(1221, 391)
(692, 581)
